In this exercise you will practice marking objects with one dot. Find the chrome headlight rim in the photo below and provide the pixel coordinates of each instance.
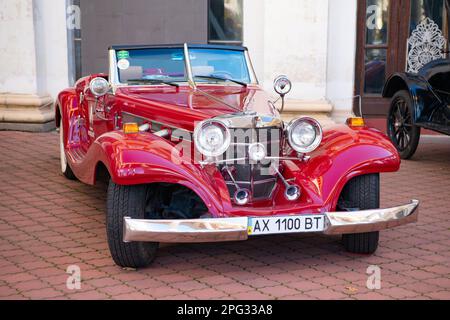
(317, 141)
(226, 137)
(99, 86)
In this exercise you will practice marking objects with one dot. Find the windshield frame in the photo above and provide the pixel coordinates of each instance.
(190, 80)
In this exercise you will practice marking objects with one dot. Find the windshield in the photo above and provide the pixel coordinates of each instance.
(225, 64)
(167, 65)
(151, 64)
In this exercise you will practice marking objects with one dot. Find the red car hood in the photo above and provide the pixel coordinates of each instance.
(184, 106)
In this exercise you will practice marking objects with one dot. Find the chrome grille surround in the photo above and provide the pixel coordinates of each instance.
(247, 129)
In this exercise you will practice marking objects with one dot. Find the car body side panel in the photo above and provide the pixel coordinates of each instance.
(145, 158)
(434, 67)
(344, 154)
(349, 153)
(67, 110)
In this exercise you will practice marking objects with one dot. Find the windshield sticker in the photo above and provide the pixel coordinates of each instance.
(123, 55)
(123, 64)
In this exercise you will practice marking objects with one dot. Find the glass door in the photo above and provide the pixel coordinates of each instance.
(376, 45)
(395, 36)
(378, 51)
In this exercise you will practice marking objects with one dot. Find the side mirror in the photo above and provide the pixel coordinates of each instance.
(99, 87)
(282, 85)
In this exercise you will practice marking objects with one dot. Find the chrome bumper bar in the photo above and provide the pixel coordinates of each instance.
(236, 229)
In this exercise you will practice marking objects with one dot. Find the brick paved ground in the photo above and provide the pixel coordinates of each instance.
(48, 223)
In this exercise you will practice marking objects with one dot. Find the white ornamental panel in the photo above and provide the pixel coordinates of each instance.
(426, 44)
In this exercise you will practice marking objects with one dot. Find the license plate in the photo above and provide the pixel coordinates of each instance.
(280, 225)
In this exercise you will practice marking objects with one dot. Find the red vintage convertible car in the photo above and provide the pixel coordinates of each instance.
(195, 151)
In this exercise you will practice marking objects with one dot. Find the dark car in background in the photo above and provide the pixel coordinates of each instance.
(419, 100)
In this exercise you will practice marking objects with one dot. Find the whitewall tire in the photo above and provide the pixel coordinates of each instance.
(65, 168)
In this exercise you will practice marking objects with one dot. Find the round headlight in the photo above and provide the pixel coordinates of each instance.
(305, 135)
(212, 138)
(99, 86)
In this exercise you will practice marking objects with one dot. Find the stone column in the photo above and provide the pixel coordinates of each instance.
(31, 31)
(341, 58)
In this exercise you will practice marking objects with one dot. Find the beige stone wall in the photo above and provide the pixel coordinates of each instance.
(17, 47)
(312, 42)
(289, 37)
(34, 68)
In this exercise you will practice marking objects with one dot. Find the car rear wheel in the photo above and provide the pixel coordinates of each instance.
(65, 167)
(361, 193)
(400, 126)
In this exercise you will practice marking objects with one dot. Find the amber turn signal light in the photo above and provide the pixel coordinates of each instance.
(356, 122)
(131, 128)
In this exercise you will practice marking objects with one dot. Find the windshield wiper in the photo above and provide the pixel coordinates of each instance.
(222, 79)
(153, 81)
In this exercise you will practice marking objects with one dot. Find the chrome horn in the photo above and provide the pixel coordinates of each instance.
(241, 196)
(292, 192)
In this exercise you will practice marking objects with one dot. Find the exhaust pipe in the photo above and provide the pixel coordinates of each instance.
(242, 196)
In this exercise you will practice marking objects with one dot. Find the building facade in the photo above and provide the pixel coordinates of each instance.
(338, 54)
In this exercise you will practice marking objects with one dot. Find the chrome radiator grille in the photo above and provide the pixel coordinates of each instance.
(248, 175)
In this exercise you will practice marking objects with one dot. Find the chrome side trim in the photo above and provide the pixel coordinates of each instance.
(186, 231)
(163, 133)
(160, 124)
(236, 229)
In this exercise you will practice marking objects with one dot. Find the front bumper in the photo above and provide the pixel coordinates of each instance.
(236, 229)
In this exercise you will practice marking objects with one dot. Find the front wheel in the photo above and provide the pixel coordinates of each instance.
(127, 201)
(361, 193)
(151, 202)
(400, 126)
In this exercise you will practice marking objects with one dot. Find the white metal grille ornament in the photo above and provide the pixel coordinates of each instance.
(426, 44)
